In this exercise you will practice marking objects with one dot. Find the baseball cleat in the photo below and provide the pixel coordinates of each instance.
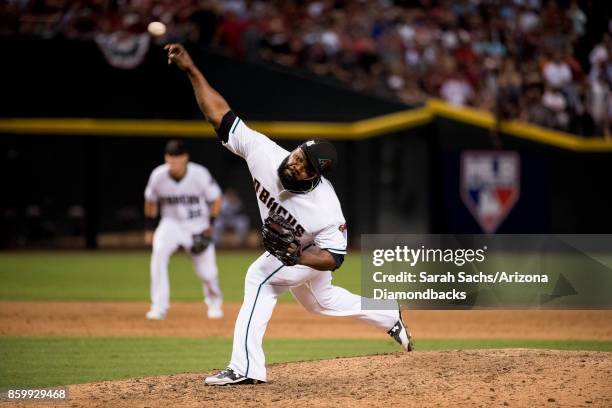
(215, 312)
(155, 315)
(399, 333)
(230, 377)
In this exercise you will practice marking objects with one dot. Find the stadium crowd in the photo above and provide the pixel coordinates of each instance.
(517, 58)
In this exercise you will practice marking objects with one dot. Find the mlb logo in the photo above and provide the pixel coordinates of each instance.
(490, 185)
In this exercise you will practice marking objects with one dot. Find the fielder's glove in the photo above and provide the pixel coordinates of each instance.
(278, 235)
(200, 242)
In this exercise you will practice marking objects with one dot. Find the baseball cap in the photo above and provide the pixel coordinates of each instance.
(321, 155)
(175, 147)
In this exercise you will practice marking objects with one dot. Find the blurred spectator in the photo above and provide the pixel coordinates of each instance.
(557, 73)
(508, 87)
(502, 52)
(600, 54)
(456, 90)
(229, 33)
(578, 18)
(600, 103)
(554, 101)
(600, 86)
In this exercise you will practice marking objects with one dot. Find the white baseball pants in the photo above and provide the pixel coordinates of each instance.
(265, 280)
(169, 236)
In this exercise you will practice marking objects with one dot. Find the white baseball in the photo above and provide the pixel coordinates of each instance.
(156, 28)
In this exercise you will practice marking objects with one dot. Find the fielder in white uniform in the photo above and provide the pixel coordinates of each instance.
(189, 199)
(290, 184)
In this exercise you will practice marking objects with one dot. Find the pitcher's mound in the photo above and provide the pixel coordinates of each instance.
(510, 377)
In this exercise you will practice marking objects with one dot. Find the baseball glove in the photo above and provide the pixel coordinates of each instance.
(200, 242)
(278, 235)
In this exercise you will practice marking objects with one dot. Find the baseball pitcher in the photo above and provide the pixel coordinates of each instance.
(190, 199)
(304, 233)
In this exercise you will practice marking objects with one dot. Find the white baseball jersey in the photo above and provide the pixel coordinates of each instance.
(316, 215)
(186, 200)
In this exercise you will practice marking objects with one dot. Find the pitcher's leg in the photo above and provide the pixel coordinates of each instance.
(318, 295)
(266, 279)
(259, 300)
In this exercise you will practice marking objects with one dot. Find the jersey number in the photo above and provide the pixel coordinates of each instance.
(195, 213)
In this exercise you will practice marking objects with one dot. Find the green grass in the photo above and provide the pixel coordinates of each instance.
(49, 361)
(108, 275)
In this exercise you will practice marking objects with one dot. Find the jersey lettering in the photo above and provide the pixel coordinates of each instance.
(291, 220)
(272, 204)
(182, 199)
(263, 196)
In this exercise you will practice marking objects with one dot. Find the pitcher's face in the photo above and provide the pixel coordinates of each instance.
(296, 167)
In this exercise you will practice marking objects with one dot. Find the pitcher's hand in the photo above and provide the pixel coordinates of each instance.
(179, 56)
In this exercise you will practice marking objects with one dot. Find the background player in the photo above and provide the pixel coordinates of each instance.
(291, 185)
(190, 199)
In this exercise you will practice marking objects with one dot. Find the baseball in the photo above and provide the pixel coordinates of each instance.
(156, 28)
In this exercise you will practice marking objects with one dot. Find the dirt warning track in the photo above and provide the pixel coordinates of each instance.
(292, 321)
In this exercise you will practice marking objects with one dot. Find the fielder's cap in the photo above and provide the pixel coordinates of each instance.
(175, 147)
(321, 155)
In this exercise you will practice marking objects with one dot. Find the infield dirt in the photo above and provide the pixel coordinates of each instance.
(484, 378)
(292, 321)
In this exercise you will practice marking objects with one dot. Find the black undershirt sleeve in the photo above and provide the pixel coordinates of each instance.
(338, 258)
(226, 125)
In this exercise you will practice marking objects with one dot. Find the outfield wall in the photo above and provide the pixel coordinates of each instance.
(106, 177)
(406, 181)
(561, 191)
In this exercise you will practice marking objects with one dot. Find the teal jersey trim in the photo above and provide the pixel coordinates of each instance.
(235, 125)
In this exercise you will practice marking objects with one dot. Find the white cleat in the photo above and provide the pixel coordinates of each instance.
(400, 334)
(215, 312)
(155, 315)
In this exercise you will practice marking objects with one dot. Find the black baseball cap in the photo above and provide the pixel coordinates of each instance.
(175, 147)
(321, 155)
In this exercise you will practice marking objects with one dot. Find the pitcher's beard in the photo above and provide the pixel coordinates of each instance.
(289, 182)
(286, 176)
